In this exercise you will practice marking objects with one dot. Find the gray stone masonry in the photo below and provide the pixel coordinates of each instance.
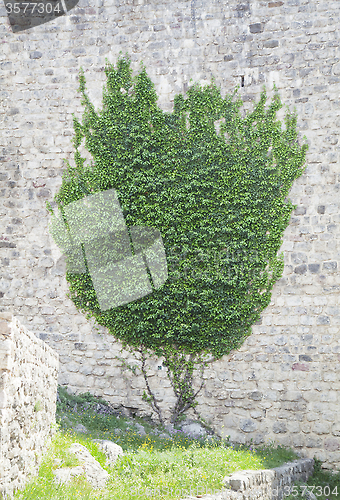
(267, 484)
(283, 384)
(270, 484)
(28, 391)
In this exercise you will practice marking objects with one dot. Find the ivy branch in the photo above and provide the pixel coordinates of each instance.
(219, 197)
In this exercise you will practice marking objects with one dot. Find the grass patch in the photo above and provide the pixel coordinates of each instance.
(43, 487)
(161, 463)
(167, 472)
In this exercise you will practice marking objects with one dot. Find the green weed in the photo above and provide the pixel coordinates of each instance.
(166, 467)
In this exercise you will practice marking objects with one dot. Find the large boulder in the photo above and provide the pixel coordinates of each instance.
(65, 474)
(195, 430)
(94, 472)
(80, 428)
(140, 429)
(111, 450)
(164, 435)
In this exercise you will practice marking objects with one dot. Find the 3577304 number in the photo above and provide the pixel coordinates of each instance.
(317, 490)
(31, 7)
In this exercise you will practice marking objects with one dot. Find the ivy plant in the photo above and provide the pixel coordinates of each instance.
(214, 180)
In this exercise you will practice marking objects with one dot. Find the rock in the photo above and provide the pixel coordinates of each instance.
(140, 429)
(94, 472)
(99, 408)
(86, 406)
(164, 435)
(67, 473)
(169, 428)
(80, 428)
(104, 409)
(248, 425)
(195, 430)
(111, 450)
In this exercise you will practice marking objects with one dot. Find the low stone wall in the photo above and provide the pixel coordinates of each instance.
(28, 386)
(268, 484)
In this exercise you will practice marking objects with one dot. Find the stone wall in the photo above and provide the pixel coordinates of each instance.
(268, 484)
(283, 384)
(28, 387)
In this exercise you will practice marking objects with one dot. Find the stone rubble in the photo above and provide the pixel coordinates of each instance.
(111, 450)
(90, 467)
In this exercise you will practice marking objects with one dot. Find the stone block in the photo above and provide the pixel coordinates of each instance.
(279, 427)
(256, 27)
(6, 317)
(3, 399)
(248, 425)
(6, 362)
(312, 442)
(5, 329)
(112, 450)
(331, 444)
(255, 396)
(336, 429)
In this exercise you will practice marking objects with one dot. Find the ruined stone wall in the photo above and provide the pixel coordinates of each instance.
(28, 392)
(283, 384)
